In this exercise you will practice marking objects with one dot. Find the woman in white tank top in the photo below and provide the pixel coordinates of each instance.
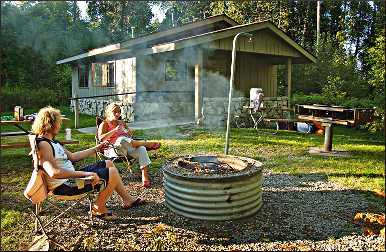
(57, 163)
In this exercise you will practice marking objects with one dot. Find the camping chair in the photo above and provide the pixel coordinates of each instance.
(257, 109)
(128, 160)
(81, 182)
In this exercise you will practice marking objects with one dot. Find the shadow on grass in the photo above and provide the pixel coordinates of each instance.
(295, 207)
(356, 175)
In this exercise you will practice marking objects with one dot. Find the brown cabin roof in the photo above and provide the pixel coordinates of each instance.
(194, 33)
(209, 24)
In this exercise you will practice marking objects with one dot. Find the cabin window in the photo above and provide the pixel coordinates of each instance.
(103, 74)
(175, 70)
(83, 76)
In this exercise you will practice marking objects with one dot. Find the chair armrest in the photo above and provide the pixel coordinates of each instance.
(88, 178)
(80, 182)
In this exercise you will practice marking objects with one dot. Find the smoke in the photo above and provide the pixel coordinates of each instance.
(174, 107)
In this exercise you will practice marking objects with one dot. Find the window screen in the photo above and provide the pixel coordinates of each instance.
(175, 70)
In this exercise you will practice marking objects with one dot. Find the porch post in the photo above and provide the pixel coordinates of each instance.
(76, 110)
(198, 83)
(289, 77)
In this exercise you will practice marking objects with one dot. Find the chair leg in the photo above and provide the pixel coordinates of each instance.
(90, 200)
(132, 171)
(37, 211)
(38, 221)
(128, 164)
(66, 212)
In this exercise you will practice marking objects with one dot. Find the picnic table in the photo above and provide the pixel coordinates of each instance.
(330, 115)
(18, 124)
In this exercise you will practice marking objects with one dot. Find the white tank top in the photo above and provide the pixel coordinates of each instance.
(62, 161)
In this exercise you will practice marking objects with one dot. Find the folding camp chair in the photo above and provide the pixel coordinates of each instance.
(258, 112)
(128, 160)
(81, 183)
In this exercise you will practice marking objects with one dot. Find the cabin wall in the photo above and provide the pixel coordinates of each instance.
(125, 81)
(217, 71)
(251, 71)
(263, 42)
(157, 98)
(172, 99)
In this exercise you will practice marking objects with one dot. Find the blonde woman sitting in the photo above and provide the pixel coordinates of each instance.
(117, 133)
(56, 161)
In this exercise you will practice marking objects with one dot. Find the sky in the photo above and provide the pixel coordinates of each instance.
(156, 11)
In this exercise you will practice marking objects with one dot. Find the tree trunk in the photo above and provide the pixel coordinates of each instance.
(305, 22)
(122, 21)
(74, 16)
(279, 14)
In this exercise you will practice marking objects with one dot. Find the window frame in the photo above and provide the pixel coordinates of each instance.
(108, 65)
(86, 72)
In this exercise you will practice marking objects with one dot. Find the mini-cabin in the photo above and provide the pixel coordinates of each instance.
(184, 72)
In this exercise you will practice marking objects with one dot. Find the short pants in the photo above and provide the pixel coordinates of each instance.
(70, 188)
(124, 145)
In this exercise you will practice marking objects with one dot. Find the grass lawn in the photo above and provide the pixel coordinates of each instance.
(363, 171)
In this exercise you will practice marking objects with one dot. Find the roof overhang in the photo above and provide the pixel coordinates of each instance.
(125, 46)
(129, 47)
(230, 32)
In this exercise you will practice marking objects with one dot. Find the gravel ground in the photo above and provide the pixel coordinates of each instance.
(299, 212)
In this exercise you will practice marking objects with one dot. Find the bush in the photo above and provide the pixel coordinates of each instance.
(350, 102)
(31, 98)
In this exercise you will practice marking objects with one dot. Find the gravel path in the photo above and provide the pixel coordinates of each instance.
(299, 212)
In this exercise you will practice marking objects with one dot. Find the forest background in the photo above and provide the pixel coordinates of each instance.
(350, 70)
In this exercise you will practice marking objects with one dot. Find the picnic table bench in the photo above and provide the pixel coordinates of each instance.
(26, 144)
(25, 132)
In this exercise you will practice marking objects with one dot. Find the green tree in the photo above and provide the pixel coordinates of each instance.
(182, 12)
(34, 36)
(115, 18)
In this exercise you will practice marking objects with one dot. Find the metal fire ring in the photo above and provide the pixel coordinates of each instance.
(212, 196)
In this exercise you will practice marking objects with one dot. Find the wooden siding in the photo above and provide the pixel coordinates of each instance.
(254, 72)
(263, 42)
(251, 71)
(125, 81)
(217, 73)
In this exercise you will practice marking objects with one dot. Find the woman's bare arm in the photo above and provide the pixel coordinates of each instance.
(129, 133)
(52, 169)
(103, 134)
(73, 157)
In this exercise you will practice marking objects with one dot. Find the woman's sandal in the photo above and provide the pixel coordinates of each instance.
(146, 183)
(104, 216)
(137, 202)
(155, 146)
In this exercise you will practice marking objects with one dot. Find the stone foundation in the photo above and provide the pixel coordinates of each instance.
(147, 108)
(97, 108)
(215, 110)
(163, 111)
